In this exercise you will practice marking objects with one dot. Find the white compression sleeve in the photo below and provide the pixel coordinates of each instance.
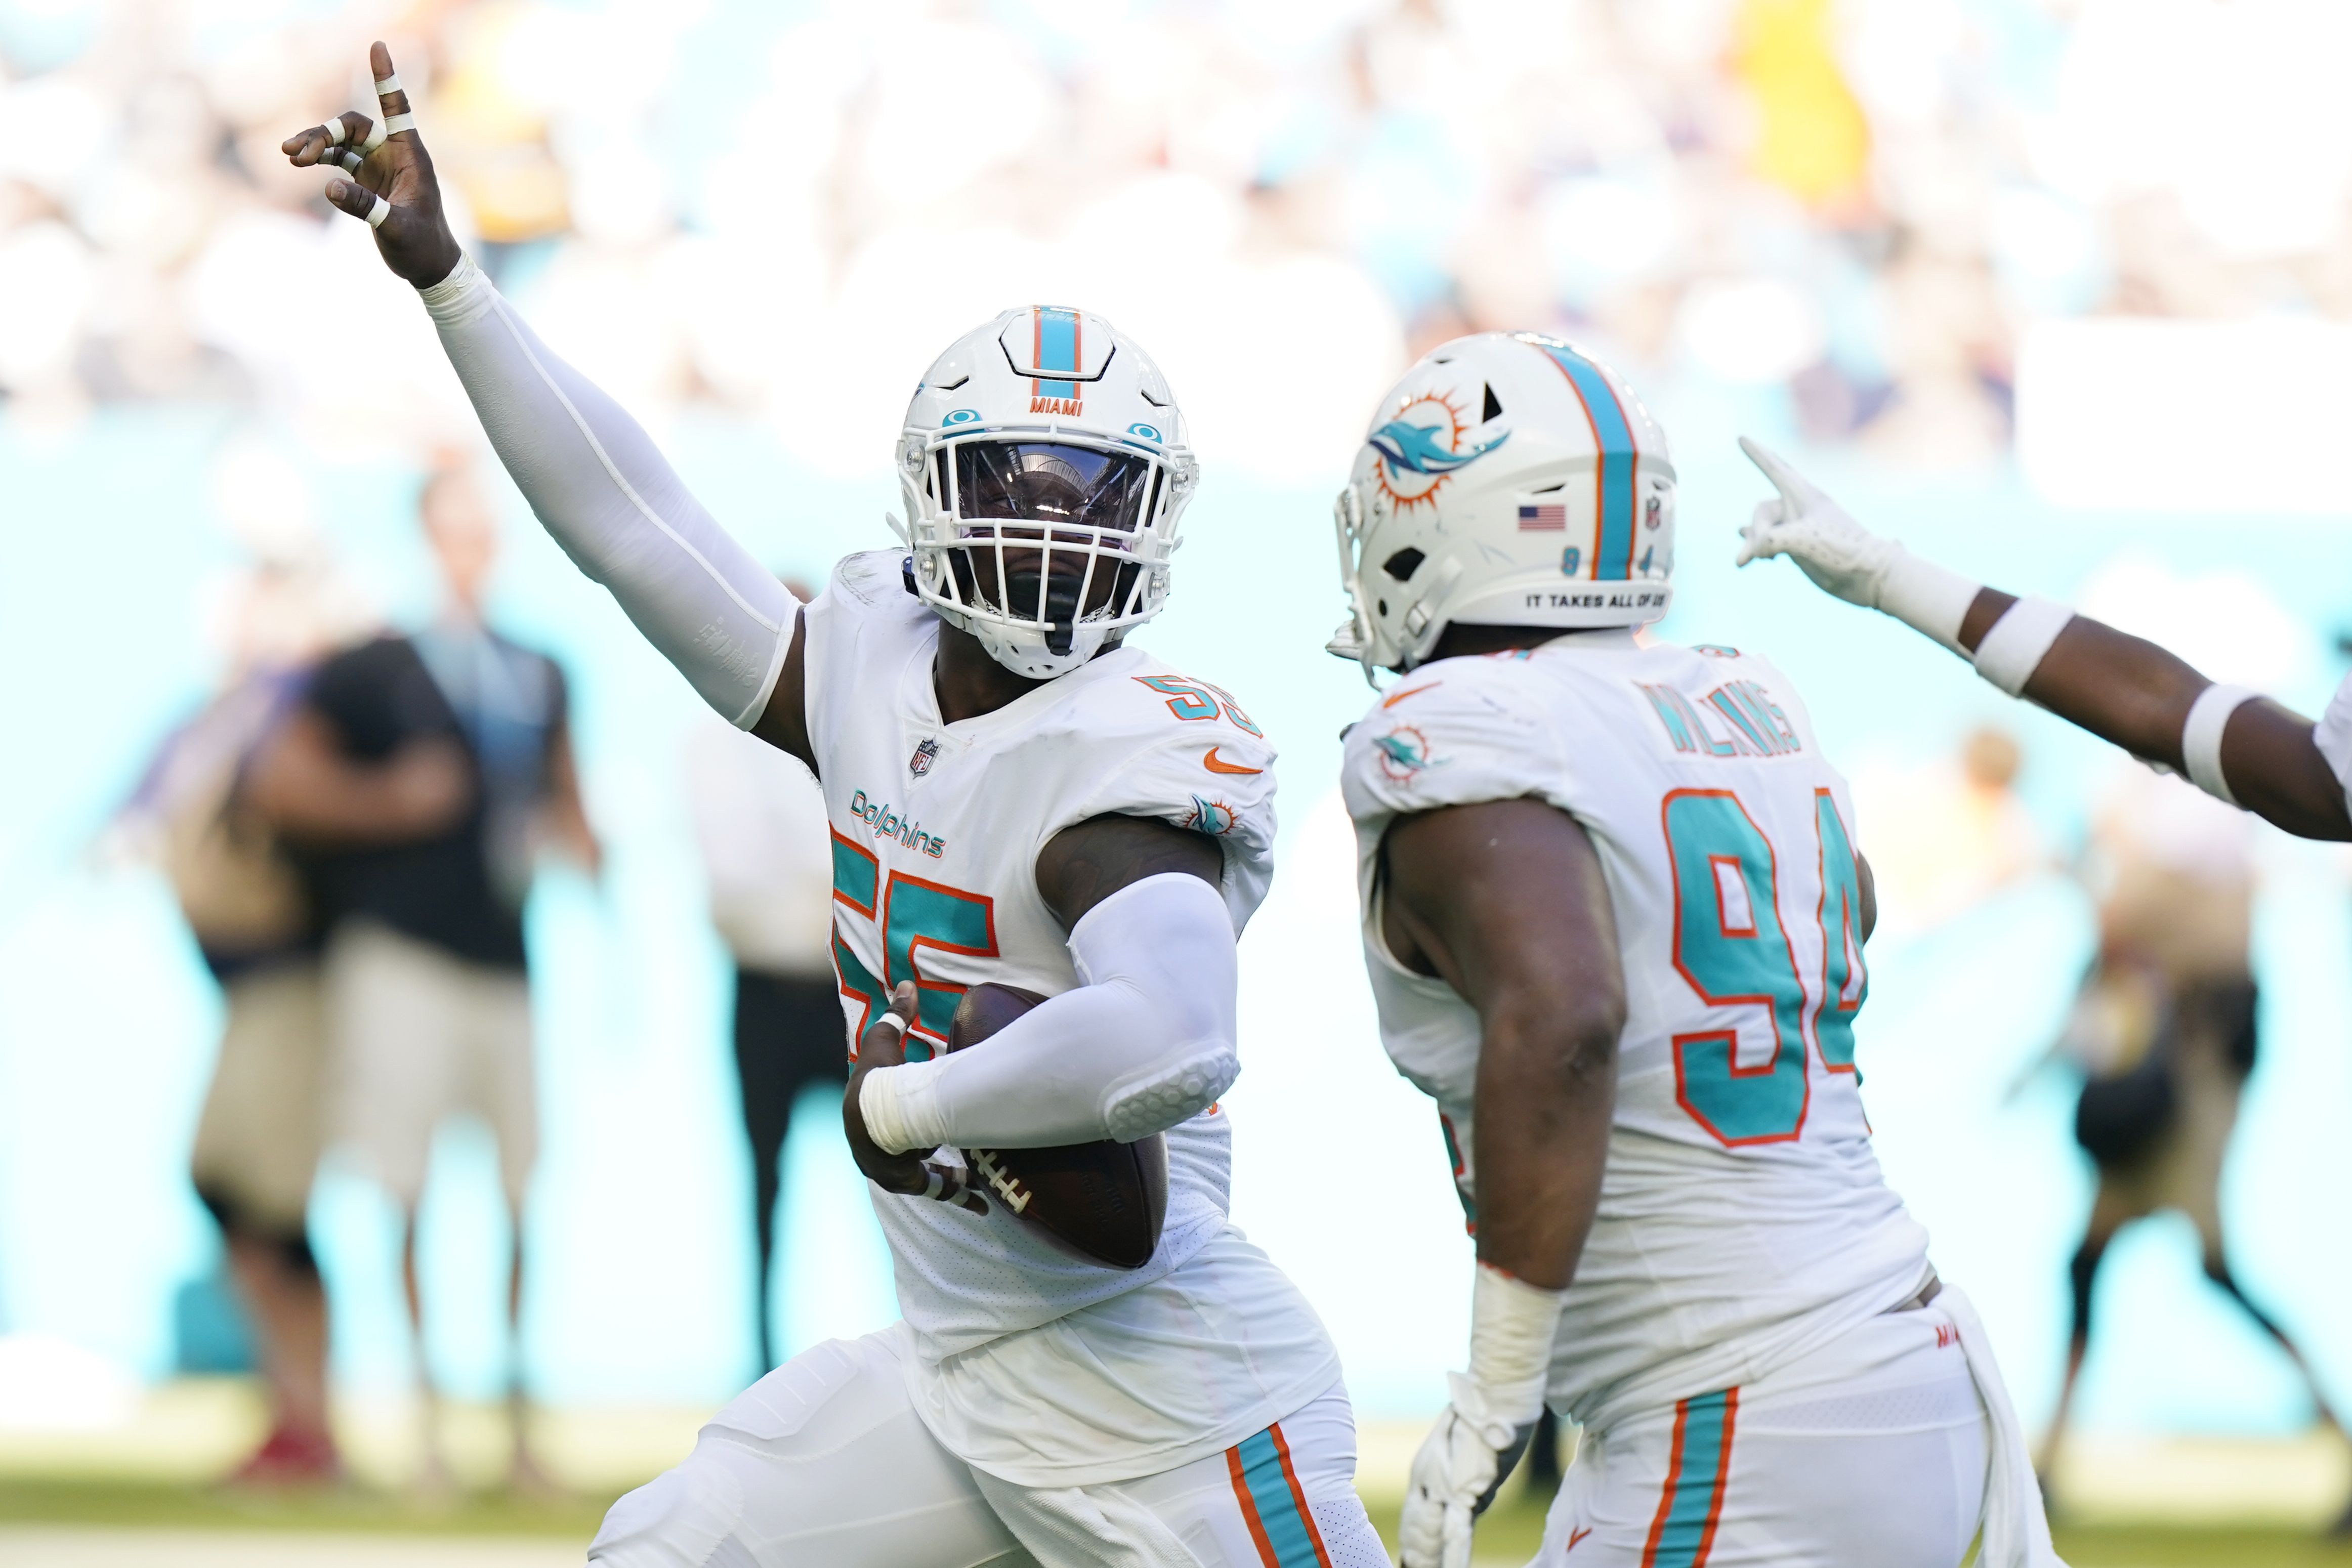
(599, 484)
(1146, 1040)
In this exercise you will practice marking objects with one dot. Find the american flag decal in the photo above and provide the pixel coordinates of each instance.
(1543, 518)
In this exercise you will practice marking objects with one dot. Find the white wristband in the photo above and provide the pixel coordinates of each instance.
(1512, 1326)
(2014, 645)
(1927, 597)
(900, 1106)
(2201, 736)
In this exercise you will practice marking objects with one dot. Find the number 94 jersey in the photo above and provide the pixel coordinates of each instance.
(1743, 1219)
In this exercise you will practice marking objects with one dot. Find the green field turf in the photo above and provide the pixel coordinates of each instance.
(1510, 1535)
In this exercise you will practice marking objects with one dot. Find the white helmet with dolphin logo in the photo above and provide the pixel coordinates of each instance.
(1045, 469)
(1509, 479)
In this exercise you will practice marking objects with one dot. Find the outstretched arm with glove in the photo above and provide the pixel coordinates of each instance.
(2234, 744)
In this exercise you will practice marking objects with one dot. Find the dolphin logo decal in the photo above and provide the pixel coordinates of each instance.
(1415, 448)
(1404, 751)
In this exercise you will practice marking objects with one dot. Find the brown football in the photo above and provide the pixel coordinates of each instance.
(1102, 1202)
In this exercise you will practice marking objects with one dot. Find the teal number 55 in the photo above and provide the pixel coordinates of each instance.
(912, 912)
(1731, 948)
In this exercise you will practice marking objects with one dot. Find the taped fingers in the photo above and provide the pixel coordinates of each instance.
(948, 1184)
(318, 143)
(394, 101)
(359, 202)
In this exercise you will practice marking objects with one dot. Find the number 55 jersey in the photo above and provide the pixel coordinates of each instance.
(1743, 1219)
(1030, 1364)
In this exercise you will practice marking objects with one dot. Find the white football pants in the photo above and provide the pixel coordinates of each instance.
(824, 1463)
(1869, 1453)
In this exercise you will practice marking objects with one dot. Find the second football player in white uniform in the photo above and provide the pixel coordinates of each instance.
(1015, 798)
(1614, 917)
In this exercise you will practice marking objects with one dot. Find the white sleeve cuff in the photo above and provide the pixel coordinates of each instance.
(901, 1108)
(1927, 597)
(2201, 736)
(1512, 1327)
(2014, 645)
(461, 296)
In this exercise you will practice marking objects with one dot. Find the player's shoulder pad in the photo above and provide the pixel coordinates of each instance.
(1452, 733)
(1179, 748)
(875, 581)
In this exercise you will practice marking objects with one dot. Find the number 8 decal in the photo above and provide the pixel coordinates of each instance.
(1731, 947)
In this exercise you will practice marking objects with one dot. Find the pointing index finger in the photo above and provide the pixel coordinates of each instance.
(1792, 485)
(389, 94)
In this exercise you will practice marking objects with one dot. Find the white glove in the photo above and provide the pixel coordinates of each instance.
(1846, 559)
(1454, 1477)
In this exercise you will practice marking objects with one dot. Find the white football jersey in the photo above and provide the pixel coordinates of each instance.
(1032, 1365)
(1743, 1219)
(2333, 735)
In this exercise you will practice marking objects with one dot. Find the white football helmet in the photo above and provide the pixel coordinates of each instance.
(1045, 469)
(1510, 479)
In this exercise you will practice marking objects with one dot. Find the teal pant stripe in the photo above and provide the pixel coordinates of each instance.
(1277, 1510)
(1706, 1446)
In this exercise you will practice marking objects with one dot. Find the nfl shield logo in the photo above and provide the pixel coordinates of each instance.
(921, 763)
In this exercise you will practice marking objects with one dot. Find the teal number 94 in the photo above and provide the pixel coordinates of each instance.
(1730, 947)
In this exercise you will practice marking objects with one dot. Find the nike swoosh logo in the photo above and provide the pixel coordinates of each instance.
(1392, 700)
(1215, 764)
(1573, 1539)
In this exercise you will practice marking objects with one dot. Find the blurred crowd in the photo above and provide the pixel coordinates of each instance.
(784, 208)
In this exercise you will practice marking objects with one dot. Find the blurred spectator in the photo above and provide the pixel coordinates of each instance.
(2165, 1032)
(257, 1138)
(1867, 203)
(418, 776)
(767, 854)
(1945, 836)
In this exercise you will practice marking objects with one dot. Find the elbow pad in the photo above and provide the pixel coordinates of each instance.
(1167, 939)
(1144, 1042)
(599, 484)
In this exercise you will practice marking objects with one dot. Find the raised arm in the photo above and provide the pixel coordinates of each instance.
(2232, 743)
(1504, 901)
(593, 476)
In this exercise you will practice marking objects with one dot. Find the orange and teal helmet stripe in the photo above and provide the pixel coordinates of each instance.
(1613, 475)
(1057, 331)
(1272, 1504)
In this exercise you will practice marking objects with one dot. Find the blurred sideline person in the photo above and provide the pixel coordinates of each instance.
(2234, 744)
(2165, 1032)
(760, 821)
(418, 777)
(257, 1137)
(1015, 797)
(1613, 919)
(1949, 835)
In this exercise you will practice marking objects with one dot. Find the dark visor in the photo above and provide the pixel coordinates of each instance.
(1047, 482)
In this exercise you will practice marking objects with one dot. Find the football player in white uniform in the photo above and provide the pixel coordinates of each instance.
(2234, 744)
(1015, 797)
(1614, 919)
